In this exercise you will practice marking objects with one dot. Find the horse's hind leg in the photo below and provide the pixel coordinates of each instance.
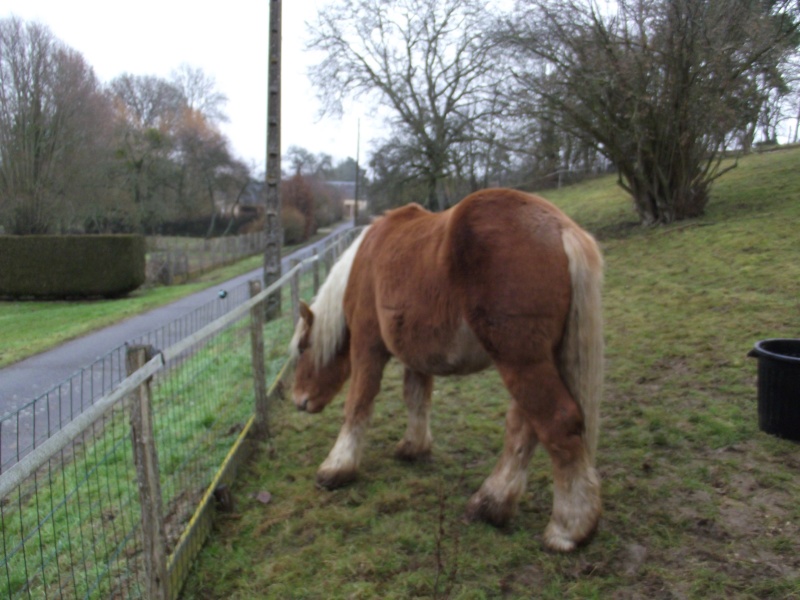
(558, 424)
(496, 501)
(417, 441)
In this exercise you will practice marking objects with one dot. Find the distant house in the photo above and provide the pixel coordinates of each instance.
(347, 190)
(251, 202)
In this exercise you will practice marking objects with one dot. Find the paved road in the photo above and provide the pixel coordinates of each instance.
(67, 378)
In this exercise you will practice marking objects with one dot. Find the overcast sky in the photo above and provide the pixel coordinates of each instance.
(227, 40)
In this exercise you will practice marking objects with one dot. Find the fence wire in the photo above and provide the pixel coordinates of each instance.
(25, 427)
(72, 528)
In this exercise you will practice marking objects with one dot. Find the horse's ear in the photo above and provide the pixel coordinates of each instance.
(306, 314)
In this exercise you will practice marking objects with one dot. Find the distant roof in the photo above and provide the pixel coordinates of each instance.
(346, 188)
(253, 194)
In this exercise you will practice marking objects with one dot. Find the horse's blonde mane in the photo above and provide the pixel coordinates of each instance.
(328, 329)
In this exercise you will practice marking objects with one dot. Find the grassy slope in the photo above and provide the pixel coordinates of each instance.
(698, 503)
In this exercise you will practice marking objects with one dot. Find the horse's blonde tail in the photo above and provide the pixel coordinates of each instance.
(581, 358)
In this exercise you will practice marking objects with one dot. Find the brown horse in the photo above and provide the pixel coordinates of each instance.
(503, 278)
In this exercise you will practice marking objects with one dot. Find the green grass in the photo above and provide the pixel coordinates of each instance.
(697, 502)
(30, 327)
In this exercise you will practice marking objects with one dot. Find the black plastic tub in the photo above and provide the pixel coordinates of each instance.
(779, 387)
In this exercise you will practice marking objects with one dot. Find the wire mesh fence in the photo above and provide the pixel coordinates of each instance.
(27, 425)
(71, 510)
(175, 259)
(71, 528)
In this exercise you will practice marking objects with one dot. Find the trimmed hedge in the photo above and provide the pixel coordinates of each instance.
(69, 266)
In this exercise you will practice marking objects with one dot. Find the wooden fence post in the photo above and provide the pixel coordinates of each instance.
(261, 423)
(295, 285)
(315, 266)
(147, 476)
(328, 260)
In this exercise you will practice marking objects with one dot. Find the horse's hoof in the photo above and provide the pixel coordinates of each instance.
(408, 452)
(330, 480)
(558, 539)
(576, 513)
(484, 508)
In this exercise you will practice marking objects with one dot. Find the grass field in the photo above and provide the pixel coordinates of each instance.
(30, 327)
(697, 502)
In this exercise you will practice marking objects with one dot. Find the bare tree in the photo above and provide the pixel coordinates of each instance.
(790, 102)
(200, 93)
(200, 152)
(149, 110)
(82, 182)
(305, 162)
(53, 124)
(661, 87)
(427, 61)
(297, 193)
(147, 101)
(394, 181)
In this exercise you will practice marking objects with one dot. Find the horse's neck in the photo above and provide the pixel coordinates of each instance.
(329, 324)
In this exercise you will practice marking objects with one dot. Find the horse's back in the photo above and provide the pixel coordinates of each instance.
(493, 264)
(503, 225)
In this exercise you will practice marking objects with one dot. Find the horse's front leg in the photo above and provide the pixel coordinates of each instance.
(341, 465)
(417, 441)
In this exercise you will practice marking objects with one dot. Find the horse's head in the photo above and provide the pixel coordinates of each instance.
(318, 375)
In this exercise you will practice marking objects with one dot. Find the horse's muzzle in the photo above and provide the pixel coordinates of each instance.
(301, 402)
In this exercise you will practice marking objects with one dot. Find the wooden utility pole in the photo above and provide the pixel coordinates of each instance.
(272, 227)
(358, 155)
